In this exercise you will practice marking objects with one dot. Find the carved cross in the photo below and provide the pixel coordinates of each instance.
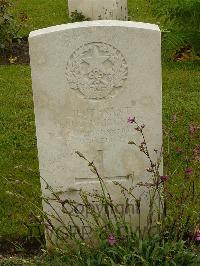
(101, 171)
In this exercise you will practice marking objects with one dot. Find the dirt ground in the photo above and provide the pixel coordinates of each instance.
(18, 53)
(20, 247)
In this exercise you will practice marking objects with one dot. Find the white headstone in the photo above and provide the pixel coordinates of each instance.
(100, 9)
(87, 79)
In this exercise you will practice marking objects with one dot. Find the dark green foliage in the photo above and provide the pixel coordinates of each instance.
(9, 26)
(6, 24)
(185, 14)
(182, 20)
(77, 17)
(173, 42)
(133, 251)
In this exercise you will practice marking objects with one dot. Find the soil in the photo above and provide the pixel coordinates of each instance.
(186, 54)
(23, 246)
(17, 54)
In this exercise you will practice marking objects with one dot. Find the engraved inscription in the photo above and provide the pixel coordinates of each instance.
(96, 70)
(107, 125)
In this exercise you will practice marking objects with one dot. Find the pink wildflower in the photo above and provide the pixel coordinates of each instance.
(112, 240)
(131, 120)
(188, 171)
(192, 129)
(164, 178)
(198, 235)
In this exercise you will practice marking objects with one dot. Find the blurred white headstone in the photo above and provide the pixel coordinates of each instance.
(100, 9)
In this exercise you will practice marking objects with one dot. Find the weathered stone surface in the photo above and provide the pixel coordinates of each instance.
(88, 78)
(100, 9)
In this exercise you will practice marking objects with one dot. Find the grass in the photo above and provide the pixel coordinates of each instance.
(140, 10)
(42, 13)
(18, 154)
(181, 98)
(181, 101)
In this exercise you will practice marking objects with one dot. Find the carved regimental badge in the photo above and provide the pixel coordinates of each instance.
(96, 70)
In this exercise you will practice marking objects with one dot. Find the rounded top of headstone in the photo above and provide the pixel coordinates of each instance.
(96, 23)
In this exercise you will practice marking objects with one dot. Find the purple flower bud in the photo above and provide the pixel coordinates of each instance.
(138, 129)
(164, 178)
(112, 240)
(131, 120)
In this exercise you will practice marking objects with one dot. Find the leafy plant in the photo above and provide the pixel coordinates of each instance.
(110, 239)
(181, 22)
(177, 45)
(77, 17)
(9, 25)
(132, 251)
(181, 15)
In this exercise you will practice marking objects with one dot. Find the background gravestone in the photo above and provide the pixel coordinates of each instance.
(100, 9)
(87, 79)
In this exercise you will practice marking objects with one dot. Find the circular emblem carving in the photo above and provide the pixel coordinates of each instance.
(96, 70)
